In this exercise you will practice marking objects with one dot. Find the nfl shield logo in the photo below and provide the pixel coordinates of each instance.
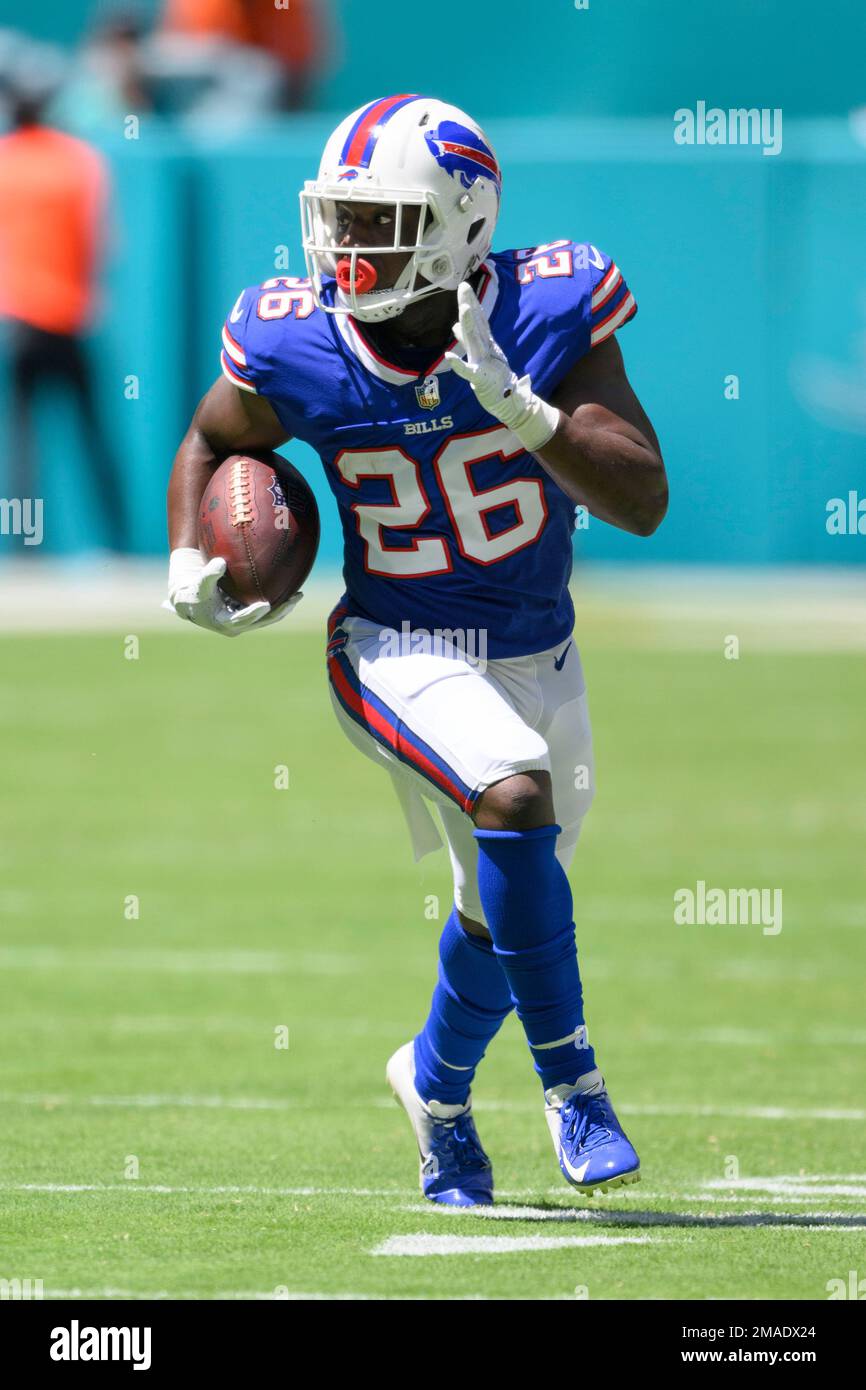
(428, 392)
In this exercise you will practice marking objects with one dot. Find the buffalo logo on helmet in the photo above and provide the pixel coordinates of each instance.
(462, 153)
(428, 392)
(347, 174)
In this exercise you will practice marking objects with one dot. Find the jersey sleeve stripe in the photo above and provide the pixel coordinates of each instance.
(614, 320)
(606, 285)
(234, 375)
(614, 285)
(617, 296)
(234, 349)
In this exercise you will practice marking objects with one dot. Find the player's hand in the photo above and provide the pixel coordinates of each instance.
(194, 594)
(276, 615)
(502, 393)
(483, 364)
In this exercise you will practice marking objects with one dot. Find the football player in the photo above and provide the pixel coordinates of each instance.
(463, 403)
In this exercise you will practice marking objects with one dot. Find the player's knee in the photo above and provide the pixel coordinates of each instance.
(472, 927)
(523, 801)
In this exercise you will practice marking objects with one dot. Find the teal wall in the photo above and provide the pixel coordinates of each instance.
(618, 57)
(741, 264)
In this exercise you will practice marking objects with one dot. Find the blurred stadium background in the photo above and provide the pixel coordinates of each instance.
(743, 264)
(152, 1035)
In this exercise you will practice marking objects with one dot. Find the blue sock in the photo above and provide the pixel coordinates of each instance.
(469, 1005)
(528, 906)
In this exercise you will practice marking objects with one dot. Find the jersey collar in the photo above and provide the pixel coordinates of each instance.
(358, 344)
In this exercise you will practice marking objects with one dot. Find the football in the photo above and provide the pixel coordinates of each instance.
(259, 514)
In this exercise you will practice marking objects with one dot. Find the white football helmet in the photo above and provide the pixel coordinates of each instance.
(410, 151)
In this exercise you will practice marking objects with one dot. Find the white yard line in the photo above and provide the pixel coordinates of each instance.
(767, 1198)
(743, 1112)
(424, 1244)
(137, 1024)
(158, 1101)
(179, 962)
(753, 1037)
(47, 1100)
(787, 1187)
(834, 1221)
(785, 1177)
(612, 1213)
(286, 1295)
(749, 1112)
(162, 1190)
(598, 1210)
(503, 1212)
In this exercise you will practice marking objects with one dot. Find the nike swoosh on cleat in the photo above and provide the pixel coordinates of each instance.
(558, 660)
(578, 1174)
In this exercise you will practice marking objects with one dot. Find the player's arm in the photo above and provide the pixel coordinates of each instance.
(227, 421)
(592, 437)
(604, 453)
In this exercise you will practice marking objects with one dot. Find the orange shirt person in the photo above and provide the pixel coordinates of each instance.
(292, 35)
(53, 197)
(215, 19)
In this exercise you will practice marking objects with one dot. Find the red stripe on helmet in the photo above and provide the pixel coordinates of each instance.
(375, 114)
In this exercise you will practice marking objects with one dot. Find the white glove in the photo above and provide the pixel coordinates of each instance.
(194, 594)
(504, 395)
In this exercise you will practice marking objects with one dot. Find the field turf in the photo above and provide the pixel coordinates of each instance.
(158, 1140)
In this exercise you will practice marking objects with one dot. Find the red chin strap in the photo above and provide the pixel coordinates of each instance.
(365, 275)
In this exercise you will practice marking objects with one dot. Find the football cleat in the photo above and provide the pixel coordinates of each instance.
(590, 1143)
(454, 1170)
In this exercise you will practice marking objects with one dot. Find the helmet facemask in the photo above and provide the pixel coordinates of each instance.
(429, 267)
(404, 151)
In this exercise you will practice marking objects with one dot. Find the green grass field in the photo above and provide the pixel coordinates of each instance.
(157, 1142)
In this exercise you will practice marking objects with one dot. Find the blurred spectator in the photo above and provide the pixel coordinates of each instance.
(215, 19)
(293, 36)
(53, 197)
(31, 65)
(108, 79)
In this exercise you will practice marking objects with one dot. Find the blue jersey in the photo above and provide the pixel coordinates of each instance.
(448, 522)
